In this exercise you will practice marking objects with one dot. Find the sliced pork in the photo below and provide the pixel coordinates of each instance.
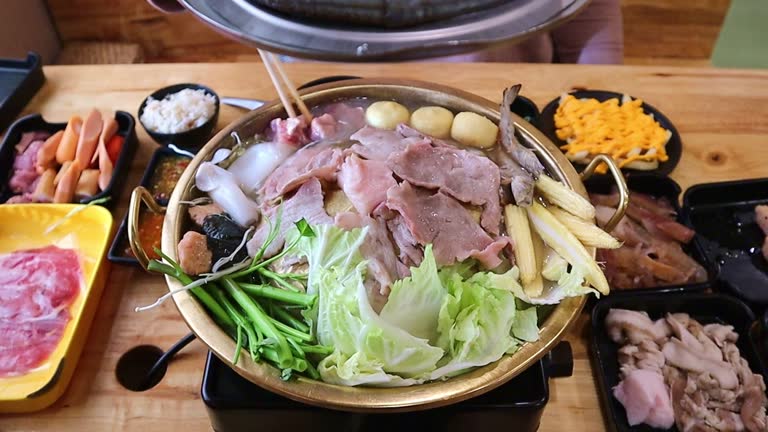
(293, 131)
(646, 399)
(317, 161)
(712, 387)
(365, 182)
(458, 173)
(383, 265)
(307, 203)
(436, 218)
(378, 144)
(37, 287)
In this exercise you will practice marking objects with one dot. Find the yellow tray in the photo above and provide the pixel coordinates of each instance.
(23, 226)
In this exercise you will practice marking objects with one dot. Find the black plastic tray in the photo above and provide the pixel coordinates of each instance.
(706, 308)
(235, 404)
(656, 186)
(35, 122)
(728, 237)
(19, 81)
(120, 242)
(546, 124)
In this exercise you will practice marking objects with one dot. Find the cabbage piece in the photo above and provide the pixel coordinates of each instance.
(570, 283)
(414, 302)
(475, 322)
(525, 326)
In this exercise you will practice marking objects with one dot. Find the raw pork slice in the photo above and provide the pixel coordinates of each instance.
(465, 176)
(646, 399)
(441, 220)
(378, 144)
(365, 182)
(318, 161)
(37, 286)
(307, 203)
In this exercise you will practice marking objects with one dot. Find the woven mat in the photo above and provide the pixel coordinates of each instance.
(100, 53)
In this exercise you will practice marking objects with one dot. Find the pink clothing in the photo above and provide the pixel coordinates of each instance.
(595, 36)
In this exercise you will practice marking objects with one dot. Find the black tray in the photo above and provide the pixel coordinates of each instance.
(728, 237)
(120, 242)
(35, 122)
(235, 404)
(546, 124)
(19, 81)
(656, 186)
(706, 308)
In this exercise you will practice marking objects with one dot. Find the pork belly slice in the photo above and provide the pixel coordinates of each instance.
(379, 144)
(460, 174)
(365, 182)
(306, 203)
(624, 325)
(646, 399)
(436, 218)
(318, 161)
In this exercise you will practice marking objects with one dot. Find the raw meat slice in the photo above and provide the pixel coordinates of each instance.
(441, 220)
(37, 286)
(378, 144)
(646, 399)
(365, 182)
(463, 175)
(317, 161)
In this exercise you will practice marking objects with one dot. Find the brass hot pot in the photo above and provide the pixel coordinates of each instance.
(366, 399)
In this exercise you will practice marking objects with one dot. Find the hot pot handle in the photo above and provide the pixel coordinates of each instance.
(139, 195)
(621, 184)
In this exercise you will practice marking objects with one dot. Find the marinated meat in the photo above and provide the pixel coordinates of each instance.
(652, 254)
(458, 173)
(37, 287)
(24, 171)
(194, 256)
(365, 182)
(712, 387)
(200, 212)
(307, 203)
(439, 219)
(318, 161)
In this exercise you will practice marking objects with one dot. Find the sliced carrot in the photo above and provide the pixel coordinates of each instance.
(46, 156)
(68, 145)
(45, 190)
(89, 137)
(87, 184)
(62, 170)
(65, 190)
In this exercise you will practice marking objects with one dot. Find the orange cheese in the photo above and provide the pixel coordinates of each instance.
(622, 131)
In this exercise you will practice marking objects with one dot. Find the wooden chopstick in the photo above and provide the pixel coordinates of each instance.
(279, 80)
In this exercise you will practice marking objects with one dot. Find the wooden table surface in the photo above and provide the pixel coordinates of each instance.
(722, 116)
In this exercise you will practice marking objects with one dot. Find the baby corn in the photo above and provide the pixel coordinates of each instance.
(588, 233)
(557, 193)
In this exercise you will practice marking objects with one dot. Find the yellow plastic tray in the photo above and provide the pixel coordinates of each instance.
(22, 226)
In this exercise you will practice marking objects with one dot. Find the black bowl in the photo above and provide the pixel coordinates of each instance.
(546, 124)
(192, 139)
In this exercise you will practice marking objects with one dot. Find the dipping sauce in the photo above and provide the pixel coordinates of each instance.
(150, 230)
(166, 175)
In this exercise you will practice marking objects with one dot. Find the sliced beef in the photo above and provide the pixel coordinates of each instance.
(318, 161)
(383, 265)
(200, 212)
(306, 203)
(378, 144)
(194, 256)
(458, 173)
(365, 182)
(436, 218)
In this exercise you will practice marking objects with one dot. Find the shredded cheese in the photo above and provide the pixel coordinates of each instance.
(622, 131)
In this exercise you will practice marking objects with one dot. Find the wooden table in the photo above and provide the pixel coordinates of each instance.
(722, 116)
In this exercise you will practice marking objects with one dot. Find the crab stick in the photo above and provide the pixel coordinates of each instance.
(89, 138)
(65, 190)
(68, 145)
(46, 156)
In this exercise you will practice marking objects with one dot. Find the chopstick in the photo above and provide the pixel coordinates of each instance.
(279, 80)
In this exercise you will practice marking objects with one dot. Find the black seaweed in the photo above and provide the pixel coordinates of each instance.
(224, 236)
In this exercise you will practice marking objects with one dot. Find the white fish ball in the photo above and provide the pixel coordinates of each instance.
(386, 115)
(474, 130)
(433, 120)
